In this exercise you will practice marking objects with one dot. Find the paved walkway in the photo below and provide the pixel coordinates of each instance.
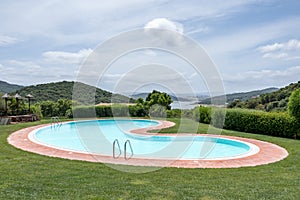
(268, 152)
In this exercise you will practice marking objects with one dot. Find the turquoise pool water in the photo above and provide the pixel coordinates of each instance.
(98, 136)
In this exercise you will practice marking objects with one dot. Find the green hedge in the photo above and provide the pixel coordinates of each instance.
(122, 111)
(108, 111)
(252, 121)
(202, 114)
(275, 124)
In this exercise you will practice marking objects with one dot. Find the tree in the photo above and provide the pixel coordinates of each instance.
(62, 105)
(157, 103)
(294, 104)
(160, 98)
(47, 107)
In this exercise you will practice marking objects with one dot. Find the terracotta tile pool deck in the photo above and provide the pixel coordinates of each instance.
(268, 152)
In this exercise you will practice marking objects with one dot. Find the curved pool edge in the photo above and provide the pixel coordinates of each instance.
(268, 152)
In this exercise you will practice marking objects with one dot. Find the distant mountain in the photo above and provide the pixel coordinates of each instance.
(8, 88)
(274, 101)
(241, 96)
(58, 90)
(139, 95)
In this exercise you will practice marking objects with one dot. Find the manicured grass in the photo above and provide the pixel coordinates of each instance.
(26, 175)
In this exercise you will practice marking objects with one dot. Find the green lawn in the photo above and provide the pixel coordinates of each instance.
(26, 175)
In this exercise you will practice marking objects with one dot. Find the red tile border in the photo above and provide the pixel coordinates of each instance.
(268, 152)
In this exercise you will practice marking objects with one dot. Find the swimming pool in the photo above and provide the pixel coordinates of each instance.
(114, 138)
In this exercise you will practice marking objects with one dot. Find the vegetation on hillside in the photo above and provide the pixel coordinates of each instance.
(241, 96)
(64, 90)
(8, 88)
(275, 101)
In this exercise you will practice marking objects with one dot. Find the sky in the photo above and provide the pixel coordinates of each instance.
(253, 44)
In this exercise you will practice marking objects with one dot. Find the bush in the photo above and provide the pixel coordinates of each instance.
(36, 109)
(217, 117)
(294, 104)
(174, 113)
(84, 111)
(119, 111)
(202, 114)
(108, 111)
(252, 121)
(157, 110)
(51, 108)
(47, 108)
(138, 111)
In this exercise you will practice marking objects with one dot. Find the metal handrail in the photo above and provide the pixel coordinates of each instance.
(114, 148)
(55, 122)
(125, 150)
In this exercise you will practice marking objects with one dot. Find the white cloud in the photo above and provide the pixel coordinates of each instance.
(286, 50)
(251, 37)
(275, 55)
(251, 80)
(290, 45)
(92, 15)
(6, 40)
(163, 23)
(164, 26)
(67, 57)
(268, 48)
(83, 24)
(34, 72)
(275, 75)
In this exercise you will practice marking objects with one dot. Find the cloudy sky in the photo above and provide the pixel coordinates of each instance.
(254, 44)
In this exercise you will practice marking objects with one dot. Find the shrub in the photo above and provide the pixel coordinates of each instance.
(202, 114)
(84, 111)
(217, 117)
(253, 121)
(187, 113)
(47, 108)
(51, 108)
(69, 113)
(36, 109)
(138, 111)
(119, 110)
(108, 111)
(62, 105)
(157, 110)
(174, 113)
(275, 124)
(294, 104)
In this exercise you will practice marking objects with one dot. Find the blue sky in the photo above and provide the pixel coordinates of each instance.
(255, 44)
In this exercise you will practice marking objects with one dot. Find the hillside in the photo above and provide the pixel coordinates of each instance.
(276, 100)
(58, 90)
(8, 88)
(241, 96)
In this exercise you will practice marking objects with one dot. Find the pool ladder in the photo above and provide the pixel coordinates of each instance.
(55, 122)
(127, 145)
